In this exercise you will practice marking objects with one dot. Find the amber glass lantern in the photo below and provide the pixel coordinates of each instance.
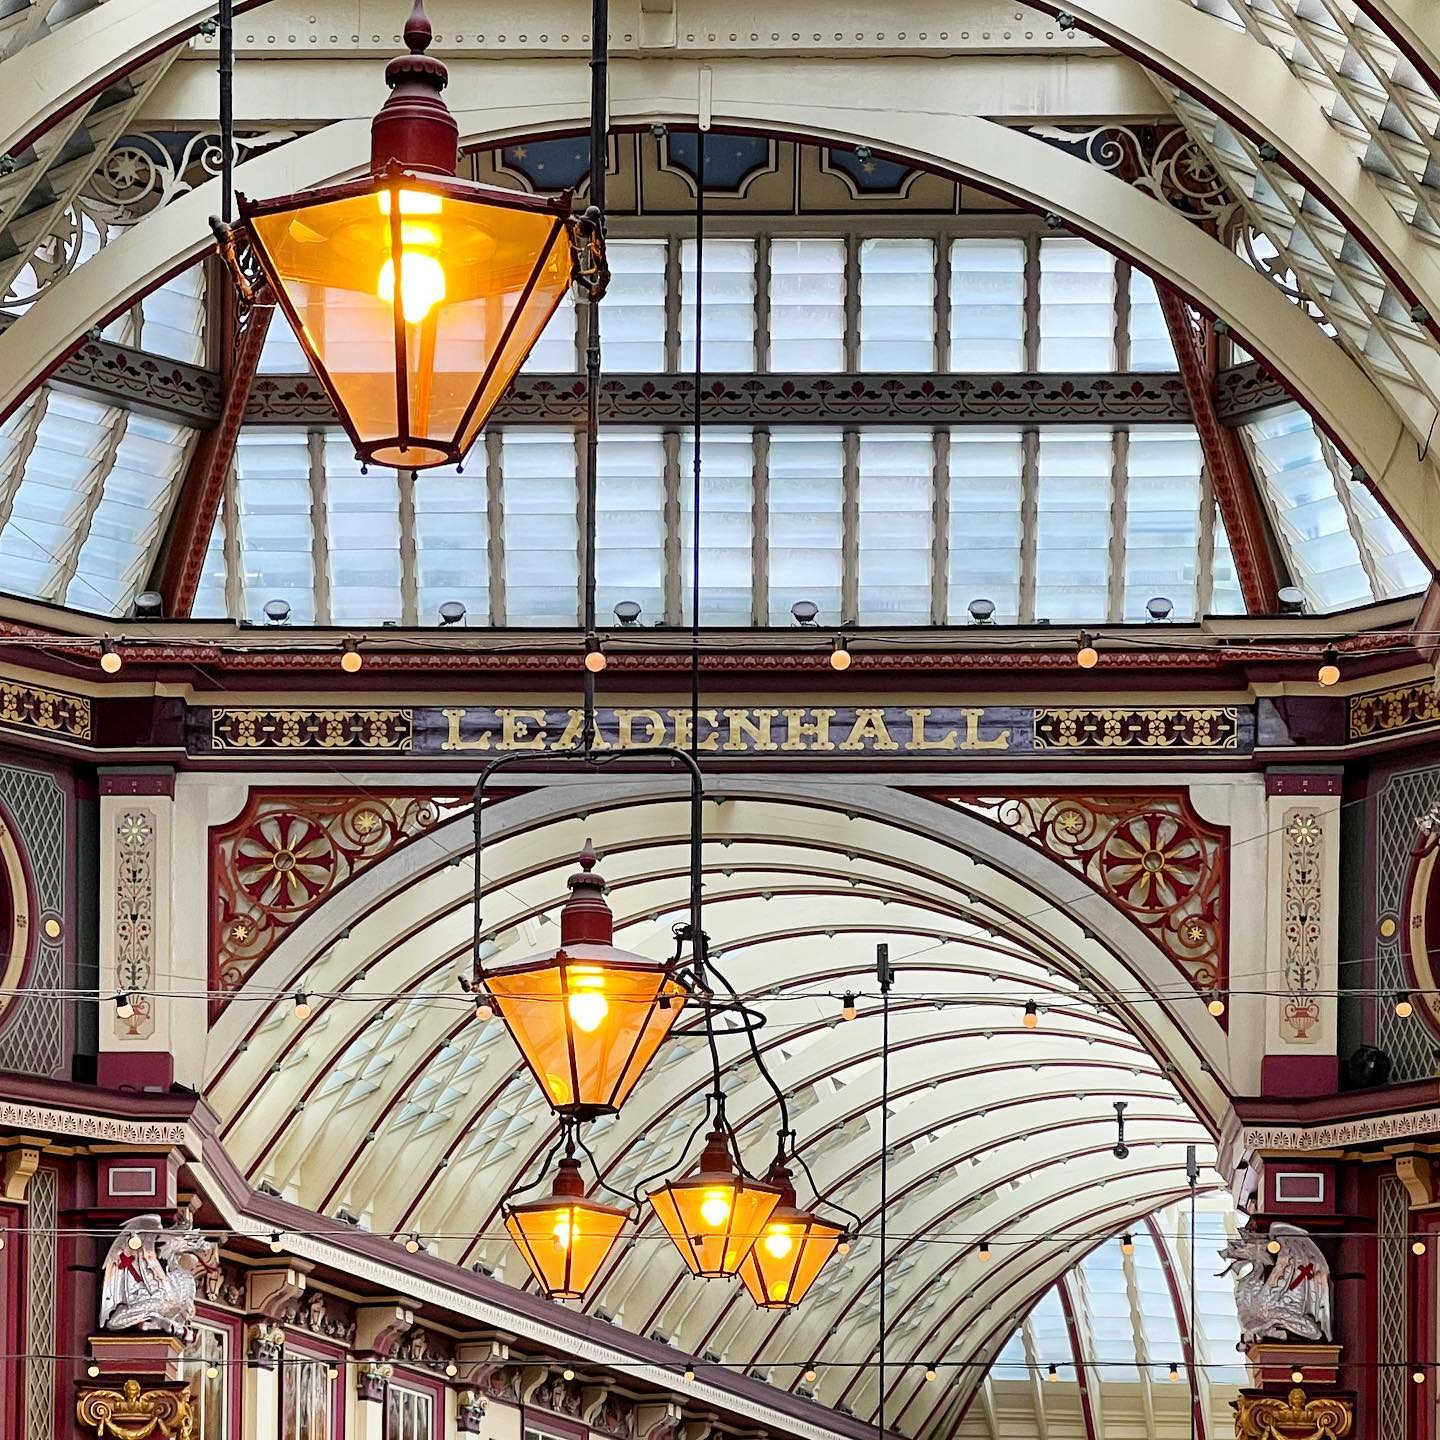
(791, 1251)
(715, 1215)
(415, 295)
(564, 1237)
(588, 1017)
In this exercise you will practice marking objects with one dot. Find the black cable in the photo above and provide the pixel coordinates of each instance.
(227, 110)
(1192, 1175)
(885, 976)
(695, 450)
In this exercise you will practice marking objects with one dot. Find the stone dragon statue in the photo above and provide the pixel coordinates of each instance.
(152, 1286)
(1279, 1296)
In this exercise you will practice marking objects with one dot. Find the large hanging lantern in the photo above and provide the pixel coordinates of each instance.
(715, 1214)
(588, 1017)
(415, 295)
(791, 1251)
(564, 1237)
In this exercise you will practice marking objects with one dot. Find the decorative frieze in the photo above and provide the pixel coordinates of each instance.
(44, 712)
(42, 1119)
(1386, 712)
(134, 919)
(1172, 728)
(1301, 908)
(1341, 1134)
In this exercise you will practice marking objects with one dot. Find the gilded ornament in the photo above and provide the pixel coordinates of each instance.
(1293, 1417)
(132, 1413)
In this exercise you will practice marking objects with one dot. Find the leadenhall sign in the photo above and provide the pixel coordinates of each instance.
(838, 731)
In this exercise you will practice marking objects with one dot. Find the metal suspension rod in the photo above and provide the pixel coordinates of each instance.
(1192, 1175)
(695, 455)
(886, 976)
(227, 110)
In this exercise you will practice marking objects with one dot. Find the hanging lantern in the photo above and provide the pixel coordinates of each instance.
(415, 295)
(588, 1018)
(715, 1215)
(791, 1251)
(564, 1237)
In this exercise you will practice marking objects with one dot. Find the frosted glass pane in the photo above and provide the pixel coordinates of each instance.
(806, 522)
(630, 523)
(1150, 344)
(727, 468)
(1077, 306)
(897, 545)
(1072, 531)
(987, 305)
(554, 352)
(729, 340)
(281, 353)
(273, 518)
(1397, 567)
(632, 328)
(362, 528)
(807, 305)
(542, 532)
(452, 558)
(210, 592)
(1226, 596)
(897, 305)
(1162, 521)
(985, 522)
(173, 317)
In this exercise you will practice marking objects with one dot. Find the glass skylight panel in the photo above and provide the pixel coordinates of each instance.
(362, 536)
(987, 304)
(1051, 1336)
(1158, 1325)
(210, 602)
(1398, 569)
(807, 304)
(1111, 1323)
(172, 318)
(986, 506)
(280, 354)
(806, 519)
(897, 304)
(728, 343)
(554, 352)
(1162, 521)
(1077, 306)
(542, 532)
(1072, 528)
(452, 540)
(273, 515)
(1150, 345)
(897, 526)
(632, 328)
(630, 522)
(1011, 1364)
(1226, 596)
(727, 467)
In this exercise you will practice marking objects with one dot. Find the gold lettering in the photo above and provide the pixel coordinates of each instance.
(919, 714)
(626, 719)
(869, 725)
(799, 731)
(453, 739)
(574, 719)
(515, 729)
(681, 721)
(750, 729)
(972, 740)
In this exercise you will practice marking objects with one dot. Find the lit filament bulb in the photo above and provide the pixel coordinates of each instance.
(563, 1231)
(422, 277)
(715, 1208)
(778, 1242)
(587, 1004)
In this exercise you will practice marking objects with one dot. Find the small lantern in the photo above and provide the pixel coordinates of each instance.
(588, 1018)
(564, 1237)
(791, 1251)
(715, 1215)
(415, 295)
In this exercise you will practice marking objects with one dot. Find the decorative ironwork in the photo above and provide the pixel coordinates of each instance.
(1150, 855)
(288, 851)
(1403, 707)
(1245, 391)
(135, 919)
(1181, 728)
(1293, 1417)
(133, 1413)
(1303, 843)
(47, 712)
(310, 730)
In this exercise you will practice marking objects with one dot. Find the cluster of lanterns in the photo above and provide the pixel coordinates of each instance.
(588, 1018)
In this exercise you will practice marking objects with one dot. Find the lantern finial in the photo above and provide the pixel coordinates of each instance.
(585, 918)
(418, 33)
(414, 127)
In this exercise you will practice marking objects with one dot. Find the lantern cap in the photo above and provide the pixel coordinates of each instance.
(779, 1177)
(569, 1183)
(414, 128)
(585, 918)
(716, 1158)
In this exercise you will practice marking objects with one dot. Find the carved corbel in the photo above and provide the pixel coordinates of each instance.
(271, 1292)
(134, 1413)
(1293, 1417)
(658, 1422)
(592, 1401)
(478, 1360)
(532, 1377)
(469, 1413)
(264, 1345)
(370, 1381)
(380, 1328)
(1418, 1178)
(19, 1165)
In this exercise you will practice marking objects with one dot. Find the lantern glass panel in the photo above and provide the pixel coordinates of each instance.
(714, 1221)
(564, 1242)
(791, 1252)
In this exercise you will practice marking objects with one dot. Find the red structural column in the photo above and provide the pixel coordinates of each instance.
(12, 1320)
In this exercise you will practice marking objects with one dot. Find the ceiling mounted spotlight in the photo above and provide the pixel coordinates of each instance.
(1291, 599)
(110, 661)
(148, 605)
(350, 657)
(1066, 21)
(803, 612)
(1159, 607)
(627, 612)
(839, 655)
(277, 612)
(982, 611)
(1329, 672)
(452, 612)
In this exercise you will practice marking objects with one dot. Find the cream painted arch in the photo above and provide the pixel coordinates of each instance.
(931, 131)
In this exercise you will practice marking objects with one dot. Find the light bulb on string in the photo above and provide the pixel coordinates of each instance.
(484, 1010)
(124, 1005)
(1273, 1246)
(1031, 1017)
(350, 657)
(302, 1006)
(1174, 1371)
(276, 1244)
(843, 1248)
(1216, 1004)
(929, 1373)
(413, 1243)
(93, 1369)
(1329, 671)
(451, 1369)
(110, 660)
(1127, 1244)
(1418, 1247)
(136, 1241)
(1053, 1373)
(332, 1372)
(1087, 657)
(839, 654)
(568, 1373)
(985, 1250)
(1297, 1375)
(1418, 1375)
(594, 655)
(689, 1374)
(1404, 1007)
(811, 1375)
(212, 1372)
(847, 1007)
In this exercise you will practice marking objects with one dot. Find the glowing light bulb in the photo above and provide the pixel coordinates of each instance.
(1273, 1246)
(350, 658)
(212, 1372)
(1404, 1009)
(1031, 1018)
(1216, 1005)
(1418, 1247)
(110, 661)
(587, 1004)
(778, 1241)
(422, 284)
(839, 655)
(811, 1375)
(135, 1242)
(984, 1250)
(1127, 1244)
(1087, 657)
(1329, 672)
(1297, 1375)
(715, 1208)
(562, 1231)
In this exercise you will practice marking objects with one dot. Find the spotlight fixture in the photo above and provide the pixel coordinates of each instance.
(1216, 1004)
(148, 605)
(277, 612)
(1291, 599)
(452, 612)
(1404, 1007)
(1418, 1248)
(594, 655)
(1297, 1375)
(847, 1007)
(803, 612)
(276, 1244)
(302, 1006)
(985, 1250)
(839, 655)
(1052, 1373)
(350, 658)
(412, 1243)
(1032, 1015)
(110, 661)
(1174, 1371)
(1127, 1244)
(982, 611)
(627, 612)
(1329, 672)
(1087, 657)
(124, 1005)
(1159, 607)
